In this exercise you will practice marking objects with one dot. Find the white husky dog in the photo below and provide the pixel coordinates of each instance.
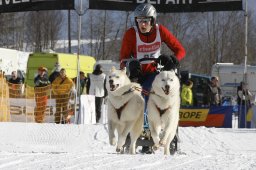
(163, 109)
(125, 109)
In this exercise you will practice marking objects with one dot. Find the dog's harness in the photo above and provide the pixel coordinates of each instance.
(120, 109)
(161, 111)
(131, 90)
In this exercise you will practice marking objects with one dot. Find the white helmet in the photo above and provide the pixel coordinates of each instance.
(145, 10)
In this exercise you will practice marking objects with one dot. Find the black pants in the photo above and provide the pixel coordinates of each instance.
(98, 105)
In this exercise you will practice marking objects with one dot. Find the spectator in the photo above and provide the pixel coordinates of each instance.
(41, 88)
(55, 73)
(243, 95)
(15, 79)
(15, 85)
(186, 94)
(83, 81)
(61, 88)
(214, 92)
(96, 85)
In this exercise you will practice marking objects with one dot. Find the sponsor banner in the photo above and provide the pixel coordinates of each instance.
(167, 6)
(34, 5)
(215, 116)
(193, 115)
(249, 117)
(253, 117)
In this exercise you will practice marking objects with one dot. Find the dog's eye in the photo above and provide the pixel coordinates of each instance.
(163, 79)
(109, 77)
(117, 77)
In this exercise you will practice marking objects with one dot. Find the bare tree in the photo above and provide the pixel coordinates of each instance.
(182, 26)
(103, 32)
(43, 29)
(251, 39)
(12, 30)
(207, 37)
(218, 38)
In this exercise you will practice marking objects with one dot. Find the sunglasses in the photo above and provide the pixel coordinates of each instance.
(143, 20)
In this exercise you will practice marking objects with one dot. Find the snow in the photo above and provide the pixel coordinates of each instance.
(52, 146)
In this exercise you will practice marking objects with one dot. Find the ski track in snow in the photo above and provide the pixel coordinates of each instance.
(70, 147)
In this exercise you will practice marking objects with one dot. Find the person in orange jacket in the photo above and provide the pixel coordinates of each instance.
(61, 88)
(144, 40)
(41, 93)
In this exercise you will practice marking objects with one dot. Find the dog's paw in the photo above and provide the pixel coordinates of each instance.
(156, 147)
(120, 150)
(112, 141)
(132, 152)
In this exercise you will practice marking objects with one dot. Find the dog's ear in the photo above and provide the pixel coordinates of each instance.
(124, 70)
(113, 68)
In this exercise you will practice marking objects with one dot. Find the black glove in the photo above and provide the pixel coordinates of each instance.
(135, 71)
(163, 59)
(169, 62)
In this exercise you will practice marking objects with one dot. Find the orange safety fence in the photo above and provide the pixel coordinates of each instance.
(16, 91)
(41, 98)
(39, 104)
(4, 100)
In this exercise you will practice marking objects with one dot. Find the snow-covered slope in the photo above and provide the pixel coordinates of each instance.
(51, 146)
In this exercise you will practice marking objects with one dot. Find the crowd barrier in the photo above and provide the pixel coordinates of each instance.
(4, 100)
(30, 104)
(214, 116)
(247, 117)
(87, 110)
(39, 104)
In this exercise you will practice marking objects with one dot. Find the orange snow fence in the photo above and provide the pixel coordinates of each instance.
(20, 103)
(41, 98)
(4, 100)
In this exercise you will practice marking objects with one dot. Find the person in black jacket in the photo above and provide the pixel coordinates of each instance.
(15, 85)
(243, 95)
(96, 85)
(41, 88)
(214, 92)
(55, 73)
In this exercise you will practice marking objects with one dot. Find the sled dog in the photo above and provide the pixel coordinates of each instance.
(163, 109)
(125, 109)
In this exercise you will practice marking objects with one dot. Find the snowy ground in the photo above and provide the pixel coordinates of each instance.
(50, 146)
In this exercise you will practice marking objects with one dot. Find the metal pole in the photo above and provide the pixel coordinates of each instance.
(77, 98)
(69, 30)
(245, 58)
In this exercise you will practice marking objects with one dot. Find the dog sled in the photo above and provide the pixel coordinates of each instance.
(145, 140)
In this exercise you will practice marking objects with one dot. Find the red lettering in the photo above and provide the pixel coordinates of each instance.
(149, 48)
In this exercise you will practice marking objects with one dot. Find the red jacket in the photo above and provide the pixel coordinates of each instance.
(128, 48)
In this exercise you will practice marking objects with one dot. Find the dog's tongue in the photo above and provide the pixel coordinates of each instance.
(112, 87)
(166, 91)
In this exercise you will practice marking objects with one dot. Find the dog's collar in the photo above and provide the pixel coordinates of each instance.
(152, 92)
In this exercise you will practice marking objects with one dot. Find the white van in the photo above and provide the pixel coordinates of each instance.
(230, 76)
